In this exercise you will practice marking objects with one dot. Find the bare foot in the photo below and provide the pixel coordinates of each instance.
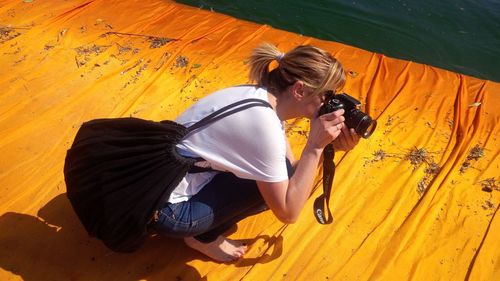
(223, 249)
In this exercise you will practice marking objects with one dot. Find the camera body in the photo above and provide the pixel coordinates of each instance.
(356, 119)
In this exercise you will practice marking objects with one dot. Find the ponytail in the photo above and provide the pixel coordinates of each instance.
(316, 68)
(260, 60)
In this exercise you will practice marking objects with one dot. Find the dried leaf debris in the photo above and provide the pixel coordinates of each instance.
(155, 42)
(416, 157)
(476, 153)
(8, 33)
(181, 61)
(85, 53)
(489, 184)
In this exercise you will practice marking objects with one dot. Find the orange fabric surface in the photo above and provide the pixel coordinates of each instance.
(410, 203)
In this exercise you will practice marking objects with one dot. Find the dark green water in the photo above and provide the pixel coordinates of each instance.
(458, 35)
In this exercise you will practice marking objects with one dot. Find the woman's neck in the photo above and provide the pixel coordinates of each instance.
(279, 104)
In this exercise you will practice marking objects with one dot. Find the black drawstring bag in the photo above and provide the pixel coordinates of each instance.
(118, 172)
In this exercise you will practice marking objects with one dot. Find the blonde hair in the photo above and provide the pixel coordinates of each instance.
(316, 68)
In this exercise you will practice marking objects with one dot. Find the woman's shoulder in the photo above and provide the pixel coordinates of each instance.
(228, 96)
(239, 92)
(220, 99)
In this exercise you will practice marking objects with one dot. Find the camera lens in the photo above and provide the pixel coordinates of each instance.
(368, 127)
(361, 122)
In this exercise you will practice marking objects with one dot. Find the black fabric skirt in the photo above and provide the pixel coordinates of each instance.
(118, 172)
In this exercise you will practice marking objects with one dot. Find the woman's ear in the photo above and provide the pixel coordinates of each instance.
(298, 90)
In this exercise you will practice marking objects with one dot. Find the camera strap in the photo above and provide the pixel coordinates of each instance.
(324, 199)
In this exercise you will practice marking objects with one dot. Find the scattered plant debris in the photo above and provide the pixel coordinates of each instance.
(132, 67)
(138, 72)
(163, 59)
(78, 63)
(417, 156)
(390, 119)
(450, 123)
(92, 49)
(61, 34)
(155, 42)
(390, 122)
(15, 52)
(379, 155)
(181, 61)
(352, 73)
(126, 49)
(422, 186)
(192, 79)
(99, 22)
(295, 128)
(488, 205)
(7, 33)
(464, 167)
(489, 184)
(429, 173)
(432, 169)
(123, 49)
(84, 53)
(11, 13)
(23, 58)
(476, 153)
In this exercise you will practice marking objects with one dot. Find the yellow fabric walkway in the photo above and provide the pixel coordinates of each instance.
(417, 201)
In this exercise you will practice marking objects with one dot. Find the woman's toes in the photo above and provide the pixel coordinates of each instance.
(241, 251)
(222, 249)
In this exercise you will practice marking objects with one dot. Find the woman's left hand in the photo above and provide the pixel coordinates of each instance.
(347, 140)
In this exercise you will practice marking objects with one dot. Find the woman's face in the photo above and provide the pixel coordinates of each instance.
(311, 104)
(304, 102)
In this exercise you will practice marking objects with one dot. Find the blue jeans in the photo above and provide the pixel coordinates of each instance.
(224, 201)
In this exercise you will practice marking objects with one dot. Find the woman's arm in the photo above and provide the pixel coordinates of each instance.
(287, 198)
(289, 155)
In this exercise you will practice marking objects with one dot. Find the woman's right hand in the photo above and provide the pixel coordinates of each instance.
(325, 129)
(287, 198)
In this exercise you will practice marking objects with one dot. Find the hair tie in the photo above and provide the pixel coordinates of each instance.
(280, 56)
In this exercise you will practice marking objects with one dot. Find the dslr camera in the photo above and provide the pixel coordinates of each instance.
(356, 119)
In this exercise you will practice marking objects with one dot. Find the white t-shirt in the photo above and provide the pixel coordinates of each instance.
(250, 143)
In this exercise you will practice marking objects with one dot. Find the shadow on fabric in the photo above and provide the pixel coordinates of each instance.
(55, 246)
(276, 243)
